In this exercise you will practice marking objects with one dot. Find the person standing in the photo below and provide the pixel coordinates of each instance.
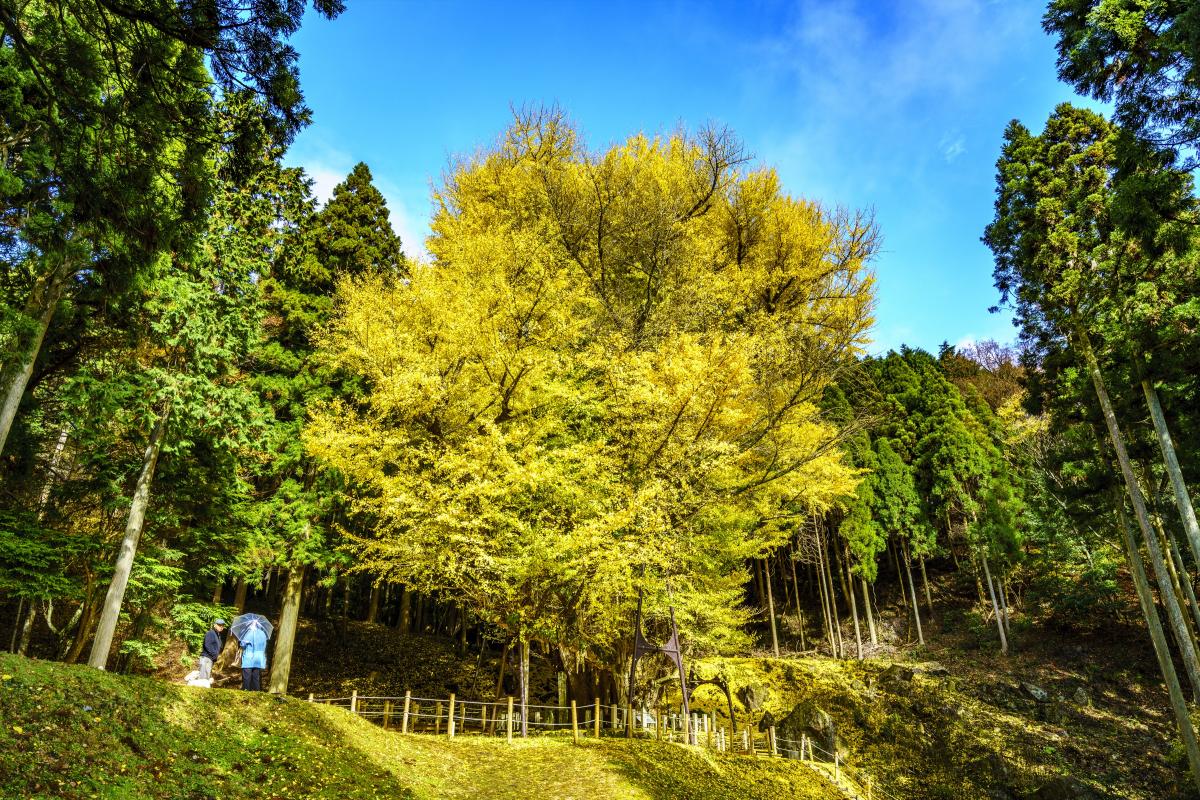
(211, 650)
(254, 657)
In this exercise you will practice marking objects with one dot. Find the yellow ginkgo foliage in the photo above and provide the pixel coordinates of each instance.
(606, 376)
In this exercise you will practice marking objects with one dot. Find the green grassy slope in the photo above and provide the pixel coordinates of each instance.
(73, 732)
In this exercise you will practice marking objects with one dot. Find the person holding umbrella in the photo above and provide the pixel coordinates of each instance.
(252, 632)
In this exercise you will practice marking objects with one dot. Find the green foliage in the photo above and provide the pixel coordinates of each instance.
(1144, 57)
(191, 620)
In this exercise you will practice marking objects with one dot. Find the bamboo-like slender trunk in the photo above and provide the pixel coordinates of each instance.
(759, 593)
(825, 615)
(894, 550)
(925, 580)
(826, 574)
(796, 594)
(1176, 588)
(133, 533)
(1162, 652)
(1186, 580)
(866, 593)
(787, 589)
(1002, 593)
(15, 375)
(1134, 490)
(766, 569)
(524, 688)
(848, 590)
(987, 574)
(1187, 512)
(912, 589)
(285, 637)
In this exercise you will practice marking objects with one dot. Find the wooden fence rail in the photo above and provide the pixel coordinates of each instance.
(455, 716)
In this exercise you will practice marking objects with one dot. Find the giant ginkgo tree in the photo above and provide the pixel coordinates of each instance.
(609, 370)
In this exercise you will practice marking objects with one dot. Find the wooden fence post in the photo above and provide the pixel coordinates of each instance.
(596, 718)
(771, 735)
(629, 720)
(803, 745)
(387, 714)
(407, 700)
(437, 718)
(614, 720)
(310, 697)
(708, 732)
(510, 718)
(354, 702)
(450, 717)
(574, 722)
(483, 707)
(462, 716)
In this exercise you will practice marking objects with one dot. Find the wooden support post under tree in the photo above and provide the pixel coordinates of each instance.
(450, 718)
(596, 718)
(574, 722)
(407, 702)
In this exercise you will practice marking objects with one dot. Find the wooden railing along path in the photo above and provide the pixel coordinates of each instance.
(453, 717)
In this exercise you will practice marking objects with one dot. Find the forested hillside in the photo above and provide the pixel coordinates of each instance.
(631, 379)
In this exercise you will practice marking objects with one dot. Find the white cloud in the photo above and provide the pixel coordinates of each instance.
(952, 146)
(327, 167)
(871, 81)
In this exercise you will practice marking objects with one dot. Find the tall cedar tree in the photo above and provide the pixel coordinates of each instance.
(298, 505)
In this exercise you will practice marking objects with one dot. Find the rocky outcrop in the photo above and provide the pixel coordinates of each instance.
(809, 720)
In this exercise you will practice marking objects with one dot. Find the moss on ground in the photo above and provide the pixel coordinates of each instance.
(73, 732)
(967, 727)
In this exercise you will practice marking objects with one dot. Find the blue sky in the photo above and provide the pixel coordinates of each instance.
(896, 106)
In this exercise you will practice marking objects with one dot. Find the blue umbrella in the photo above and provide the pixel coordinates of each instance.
(244, 622)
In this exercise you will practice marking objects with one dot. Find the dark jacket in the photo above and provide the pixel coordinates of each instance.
(212, 645)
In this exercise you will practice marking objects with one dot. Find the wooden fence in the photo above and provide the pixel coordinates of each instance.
(453, 716)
